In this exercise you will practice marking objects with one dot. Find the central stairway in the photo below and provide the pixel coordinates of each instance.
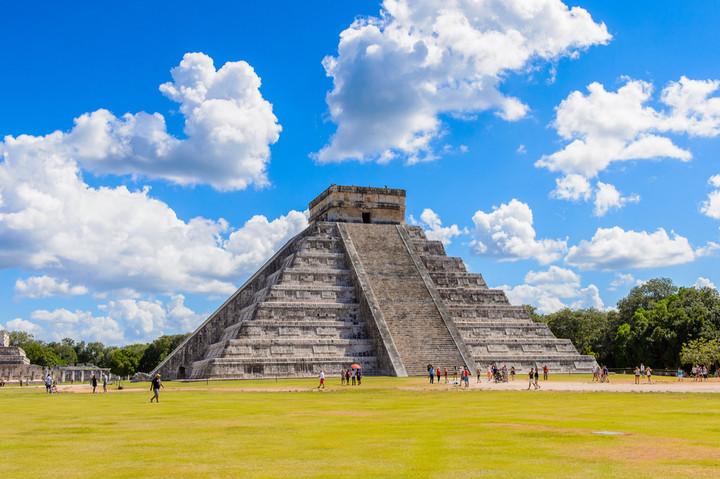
(412, 316)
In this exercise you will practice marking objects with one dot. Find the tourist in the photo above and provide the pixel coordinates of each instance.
(104, 380)
(446, 378)
(490, 372)
(359, 377)
(94, 383)
(512, 372)
(431, 372)
(352, 376)
(347, 378)
(637, 375)
(342, 377)
(545, 372)
(156, 384)
(48, 384)
(438, 374)
(2, 382)
(595, 373)
(537, 377)
(705, 373)
(20, 382)
(504, 373)
(648, 371)
(27, 381)
(477, 371)
(455, 376)
(680, 374)
(467, 377)
(530, 379)
(642, 369)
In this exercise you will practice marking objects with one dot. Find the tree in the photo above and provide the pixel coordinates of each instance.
(66, 352)
(645, 296)
(20, 338)
(701, 351)
(124, 361)
(38, 353)
(591, 331)
(158, 350)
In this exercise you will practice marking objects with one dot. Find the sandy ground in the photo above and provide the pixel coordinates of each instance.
(622, 385)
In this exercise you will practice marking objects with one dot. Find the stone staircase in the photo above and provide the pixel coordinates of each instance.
(297, 316)
(494, 330)
(415, 324)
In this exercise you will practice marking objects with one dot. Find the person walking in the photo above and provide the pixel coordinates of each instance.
(512, 372)
(48, 384)
(94, 383)
(637, 375)
(431, 372)
(439, 373)
(342, 377)
(545, 372)
(446, 378)
(359, 376)
(322, 380)
(537, 378)
(648, 371)
(155, 386)
(530, 379)
(104, 380)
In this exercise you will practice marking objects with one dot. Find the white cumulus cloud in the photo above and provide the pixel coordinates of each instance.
(112, 238)
(434, 230)
(228, 124)
(549, 291)
(45, 286)
(394, 75)
(616, 249)
(704, 283)
(507, 234)
(603, 127)
(711, 207)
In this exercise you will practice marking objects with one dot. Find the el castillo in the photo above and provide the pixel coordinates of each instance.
(360, 285)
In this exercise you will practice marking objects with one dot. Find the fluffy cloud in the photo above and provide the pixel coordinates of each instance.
(546, 290)
(623, 279)
(607, 197)
(45, 286)
(394, 75)
(228, 124)
(507, 234)
(603, 127)
(19, 324)
(108, 239)
(703, 283)
(434, 230)
(62, 323)
(617, 249)
(711, 207)
(125, 320)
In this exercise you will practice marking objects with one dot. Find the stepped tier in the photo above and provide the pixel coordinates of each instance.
(360, 286)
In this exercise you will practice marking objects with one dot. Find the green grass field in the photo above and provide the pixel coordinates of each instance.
(389, 427)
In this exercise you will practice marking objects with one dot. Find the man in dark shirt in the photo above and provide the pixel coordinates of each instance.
(155, 388)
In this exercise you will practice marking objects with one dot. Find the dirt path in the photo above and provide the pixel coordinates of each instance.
(622, 385)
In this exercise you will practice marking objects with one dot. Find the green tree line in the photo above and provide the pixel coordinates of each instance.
(123, 361)
(657, 324)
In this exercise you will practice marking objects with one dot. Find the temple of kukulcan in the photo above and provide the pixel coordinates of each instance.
(360, 285)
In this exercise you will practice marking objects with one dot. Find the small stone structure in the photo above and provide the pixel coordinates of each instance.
(361, 286)
(14, 365)
(11, 354)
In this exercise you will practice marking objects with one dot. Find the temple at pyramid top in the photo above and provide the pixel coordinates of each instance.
(359, 204)
(359, 286)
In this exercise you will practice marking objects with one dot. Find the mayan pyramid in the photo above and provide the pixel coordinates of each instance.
(359, 285)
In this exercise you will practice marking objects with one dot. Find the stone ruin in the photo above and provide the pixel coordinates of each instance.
(359, 285)
(14, 364)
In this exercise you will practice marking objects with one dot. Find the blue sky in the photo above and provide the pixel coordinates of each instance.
(155, 154)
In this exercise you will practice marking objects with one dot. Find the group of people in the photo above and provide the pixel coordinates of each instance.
(534, 378)
(698, 373)
(601, 374)
(463, 372)
(348, 375)
(643, 371)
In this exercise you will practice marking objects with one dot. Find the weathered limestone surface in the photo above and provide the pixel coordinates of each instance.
(493, 329)
(360, 286)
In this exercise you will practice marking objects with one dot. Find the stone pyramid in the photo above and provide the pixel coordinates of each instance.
(359, 285)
